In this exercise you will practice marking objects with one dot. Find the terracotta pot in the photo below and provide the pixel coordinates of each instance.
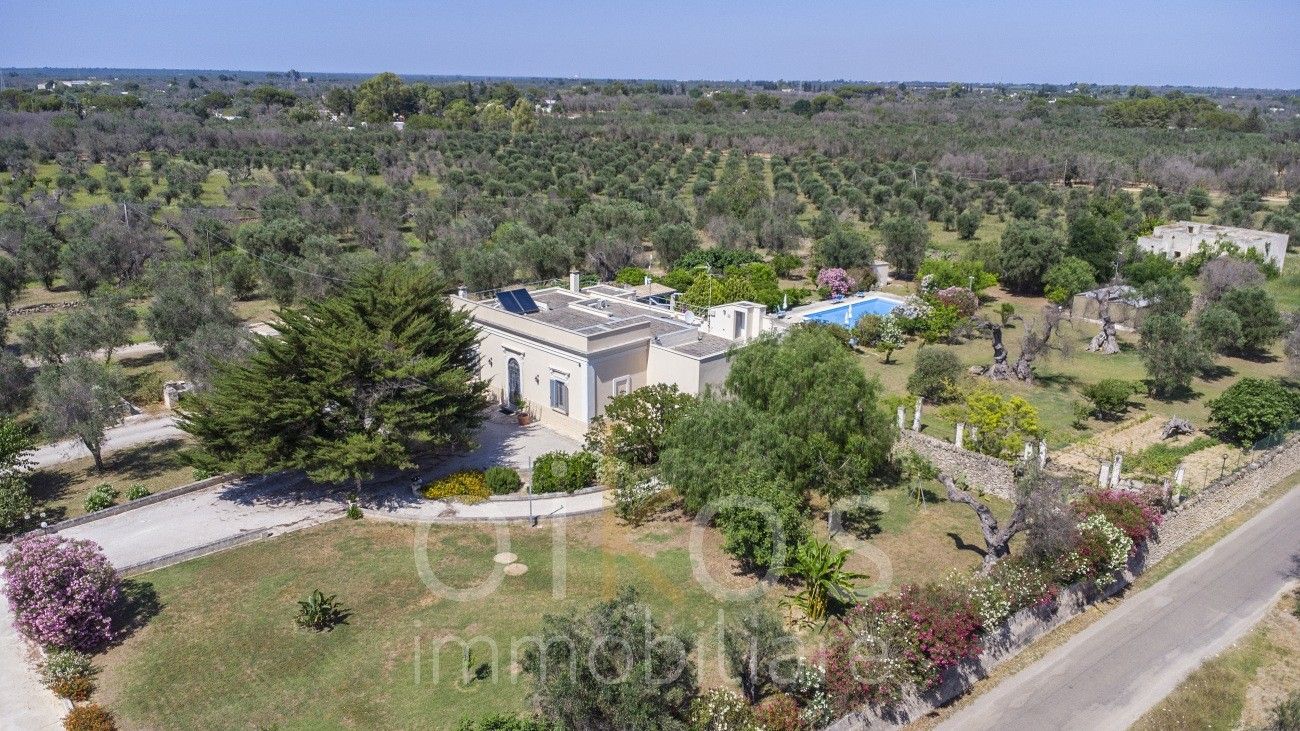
(524, 419)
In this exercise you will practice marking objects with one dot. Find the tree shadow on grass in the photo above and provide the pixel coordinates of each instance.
(1216, 371)
(145, 461)
(137, 605)
(961, 545)
(50, 485)
(1182, 395)
(1058, 381)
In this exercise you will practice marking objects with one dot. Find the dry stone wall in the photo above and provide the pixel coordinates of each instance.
(980, 471)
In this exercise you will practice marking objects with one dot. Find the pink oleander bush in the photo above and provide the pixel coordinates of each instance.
(1128, 511)
(895, 641)
(961, 299)
(836, 280)
(61, 592)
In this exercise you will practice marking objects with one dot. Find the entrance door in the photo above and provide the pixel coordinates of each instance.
(513, 383)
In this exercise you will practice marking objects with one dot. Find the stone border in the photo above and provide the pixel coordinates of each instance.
(983, 473)
(515, 497)
(130, 505)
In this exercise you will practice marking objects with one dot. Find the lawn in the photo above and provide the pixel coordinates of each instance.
(61, 491)
(223, 651)
(1237, 688)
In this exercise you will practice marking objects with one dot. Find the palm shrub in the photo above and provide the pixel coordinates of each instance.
(825, 582)
(319, 612)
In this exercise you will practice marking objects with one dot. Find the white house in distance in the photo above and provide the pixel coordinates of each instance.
(563, 353)
(1184, 238)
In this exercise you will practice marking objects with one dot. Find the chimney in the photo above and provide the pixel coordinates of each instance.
(575, 281)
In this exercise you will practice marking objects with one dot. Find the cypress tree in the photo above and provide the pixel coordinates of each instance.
(353, 384)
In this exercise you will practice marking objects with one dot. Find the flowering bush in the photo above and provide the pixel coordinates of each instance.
(68, 673)
(1103, 549)
(100, 497)
(61, 591)
(778, 712)
(895, 641)
(89, 718)
(1012, 585)
(809, 687)
(964, 301)
(1126, 510)
(468, 485)
(836, 280)
(721, 710)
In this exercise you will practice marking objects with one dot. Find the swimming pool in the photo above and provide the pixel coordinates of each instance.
(849, 312)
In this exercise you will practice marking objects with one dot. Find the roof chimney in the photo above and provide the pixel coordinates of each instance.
(575, 281)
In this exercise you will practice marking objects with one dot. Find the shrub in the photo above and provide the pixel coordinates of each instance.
(502, 480)
(101, 497)
(1102, 550)
(468, 485)
(319, 612)
(899, 640)
(77, 690)
(1253, 408)
(137, 491)
(563, 472)
(637, 494)
(935, 375)
(1109, 397)
(721, 710)
(836, 280)
(61, 591)
(633, 427)
(1013, 584)
(63, 670)
(89, 717)
(1125, 510)
(778, 713)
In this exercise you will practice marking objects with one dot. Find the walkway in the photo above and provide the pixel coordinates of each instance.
(135, 430)
(1111, 673)
(25, 702)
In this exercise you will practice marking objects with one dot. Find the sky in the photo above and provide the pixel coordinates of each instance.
(1246, 43)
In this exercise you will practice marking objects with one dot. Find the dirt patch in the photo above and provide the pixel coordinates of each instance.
(1280, 676)
(1132, 436)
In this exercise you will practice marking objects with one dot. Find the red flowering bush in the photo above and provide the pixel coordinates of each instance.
(1125, 510)
(778, 712)
(61, 592)
(895, 641)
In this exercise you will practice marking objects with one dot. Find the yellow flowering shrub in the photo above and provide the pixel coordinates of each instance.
(467, 486)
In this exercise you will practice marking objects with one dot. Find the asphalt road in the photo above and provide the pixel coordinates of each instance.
(1111, 673)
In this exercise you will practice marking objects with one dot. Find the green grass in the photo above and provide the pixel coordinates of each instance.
(1161, 458)
(223, 651)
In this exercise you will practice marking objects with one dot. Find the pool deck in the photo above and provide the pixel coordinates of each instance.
(802, 313)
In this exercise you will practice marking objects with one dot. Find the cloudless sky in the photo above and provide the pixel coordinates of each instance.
(1251, 43)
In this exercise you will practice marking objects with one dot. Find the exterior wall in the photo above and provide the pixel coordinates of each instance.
(608, 369)
(982, 472)
(722, 321)
(713, 372)
(670, 367)
(537, 365)
(1182, 239)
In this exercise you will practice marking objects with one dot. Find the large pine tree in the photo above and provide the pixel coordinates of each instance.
(353, 384)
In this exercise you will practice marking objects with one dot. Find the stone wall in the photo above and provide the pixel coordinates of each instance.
(1207, 509)
(1223, 497)
(981, 472)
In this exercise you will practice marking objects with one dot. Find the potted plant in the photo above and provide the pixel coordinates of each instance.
(521, 413)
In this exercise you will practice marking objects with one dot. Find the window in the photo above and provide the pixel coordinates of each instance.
(622, 386)
(559, 396)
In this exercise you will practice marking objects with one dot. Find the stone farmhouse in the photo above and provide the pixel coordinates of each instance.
(561, 353)
(1184, 238)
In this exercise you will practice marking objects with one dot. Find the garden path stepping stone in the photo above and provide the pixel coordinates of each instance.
(505, 558)
(516, 569)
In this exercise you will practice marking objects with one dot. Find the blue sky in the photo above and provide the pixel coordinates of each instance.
(1198, 42)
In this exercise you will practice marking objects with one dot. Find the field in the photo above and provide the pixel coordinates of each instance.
(223, 651)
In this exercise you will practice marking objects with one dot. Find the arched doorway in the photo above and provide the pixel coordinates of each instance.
(514, 383)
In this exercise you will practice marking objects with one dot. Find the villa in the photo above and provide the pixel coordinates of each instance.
(561, 354)
(1184, 238)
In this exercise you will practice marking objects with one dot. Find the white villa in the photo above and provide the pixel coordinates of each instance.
(1184, 238)
(563, 353)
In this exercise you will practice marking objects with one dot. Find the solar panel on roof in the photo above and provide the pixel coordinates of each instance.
(518, 301)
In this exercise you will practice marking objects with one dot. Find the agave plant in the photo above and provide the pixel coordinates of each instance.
(821, 568)
(319, 612)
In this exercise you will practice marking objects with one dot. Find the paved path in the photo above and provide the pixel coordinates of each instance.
(135, 430)
(280, 504)
(24, 703)
(1111, 673)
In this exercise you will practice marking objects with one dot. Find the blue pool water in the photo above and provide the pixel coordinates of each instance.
(850, 312)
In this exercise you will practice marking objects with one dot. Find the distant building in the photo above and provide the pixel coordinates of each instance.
(567, 351)
(1184, 238)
